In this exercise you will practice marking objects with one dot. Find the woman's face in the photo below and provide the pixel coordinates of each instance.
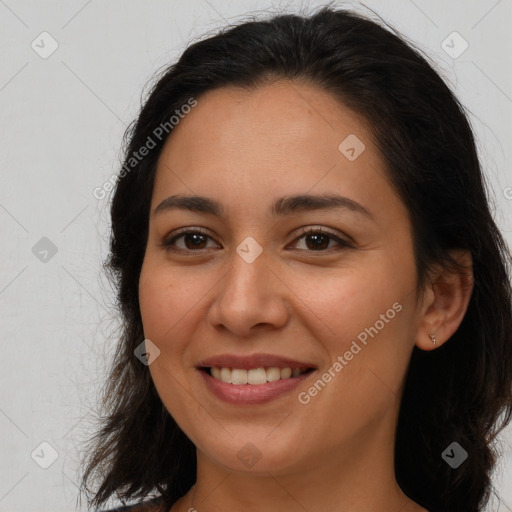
(251, 290)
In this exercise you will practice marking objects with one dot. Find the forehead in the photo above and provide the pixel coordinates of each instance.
(281, 114)
(284, 137)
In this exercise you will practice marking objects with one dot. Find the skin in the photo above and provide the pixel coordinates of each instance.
(245, 149)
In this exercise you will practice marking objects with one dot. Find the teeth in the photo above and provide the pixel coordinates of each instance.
(238, 376)
(286, 373)
(254, 376)
(271, 374)
(225, 375)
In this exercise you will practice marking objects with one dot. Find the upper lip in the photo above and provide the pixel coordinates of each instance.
(252, 361)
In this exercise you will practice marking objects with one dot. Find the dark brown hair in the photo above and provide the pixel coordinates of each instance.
(461, 391)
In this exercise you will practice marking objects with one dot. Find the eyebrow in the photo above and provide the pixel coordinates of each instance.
(281, 207)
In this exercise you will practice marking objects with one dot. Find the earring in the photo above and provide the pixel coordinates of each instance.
(433, 339)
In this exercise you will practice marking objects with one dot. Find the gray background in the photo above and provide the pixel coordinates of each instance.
(62, 119)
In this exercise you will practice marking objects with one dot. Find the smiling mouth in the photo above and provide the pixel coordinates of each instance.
(253, 376)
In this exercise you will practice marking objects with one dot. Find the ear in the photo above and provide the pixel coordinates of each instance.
(445, 302)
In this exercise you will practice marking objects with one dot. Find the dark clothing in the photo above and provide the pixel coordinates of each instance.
(146, 506)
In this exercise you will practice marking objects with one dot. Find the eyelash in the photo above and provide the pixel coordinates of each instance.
(168, 244)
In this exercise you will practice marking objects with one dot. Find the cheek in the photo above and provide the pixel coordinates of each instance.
(166, 309)
(353, 299)
(153, 295)
(163, 302)
(366, 313)
(172, 306)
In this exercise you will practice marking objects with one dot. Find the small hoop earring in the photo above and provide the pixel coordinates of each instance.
(433, 339)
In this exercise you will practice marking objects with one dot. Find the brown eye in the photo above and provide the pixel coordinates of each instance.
(196, 240)
(318, 240)
(193, 240)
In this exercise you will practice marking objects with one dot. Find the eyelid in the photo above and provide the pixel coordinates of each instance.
(340, 243)
(325, 231)
(166, 244)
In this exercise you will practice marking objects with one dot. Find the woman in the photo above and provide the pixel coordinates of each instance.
(317, 309)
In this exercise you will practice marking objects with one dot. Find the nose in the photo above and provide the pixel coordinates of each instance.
(250, 297)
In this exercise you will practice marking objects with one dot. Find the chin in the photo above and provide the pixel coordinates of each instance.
(254, 453)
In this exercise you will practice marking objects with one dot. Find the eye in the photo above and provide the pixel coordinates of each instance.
(193, 239)
(318, 239)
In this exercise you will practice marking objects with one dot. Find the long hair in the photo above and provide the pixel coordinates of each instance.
(460, 392)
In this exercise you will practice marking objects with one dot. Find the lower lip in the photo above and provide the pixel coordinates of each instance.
(252, 394)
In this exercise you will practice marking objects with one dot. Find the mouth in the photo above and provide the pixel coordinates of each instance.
(254, 376)
(242, 380)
